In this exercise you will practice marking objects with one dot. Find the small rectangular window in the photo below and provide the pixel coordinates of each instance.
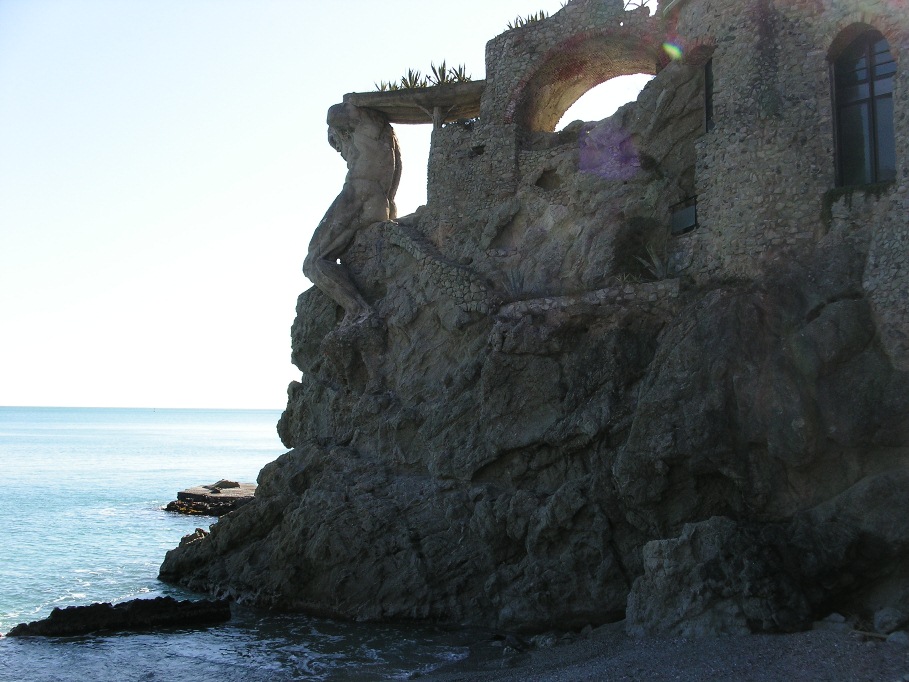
(684, 216)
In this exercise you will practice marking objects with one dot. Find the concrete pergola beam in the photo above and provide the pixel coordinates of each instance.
(436, 104)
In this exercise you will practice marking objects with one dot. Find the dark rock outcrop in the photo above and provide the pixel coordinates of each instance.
(529, 432)
(720, 576)
(137, 614)
(532, 473)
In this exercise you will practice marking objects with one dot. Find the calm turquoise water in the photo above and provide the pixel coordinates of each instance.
(80, 503)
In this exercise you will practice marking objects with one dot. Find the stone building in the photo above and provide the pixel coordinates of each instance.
(808, 132)
(747, 150)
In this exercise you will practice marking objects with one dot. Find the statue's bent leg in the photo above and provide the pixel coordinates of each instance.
(332, 278)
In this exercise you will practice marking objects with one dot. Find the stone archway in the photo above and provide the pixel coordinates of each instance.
(574, 67)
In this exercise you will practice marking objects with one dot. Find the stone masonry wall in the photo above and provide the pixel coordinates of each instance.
(886, 278)
(472, 168)
(535, 72)
(765, 171)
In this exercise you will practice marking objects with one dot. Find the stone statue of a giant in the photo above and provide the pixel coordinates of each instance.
(369, 145)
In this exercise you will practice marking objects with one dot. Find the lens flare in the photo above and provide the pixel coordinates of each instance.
(608, 151)
(674, 51)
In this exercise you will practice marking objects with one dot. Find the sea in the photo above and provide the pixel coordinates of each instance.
(81, 521)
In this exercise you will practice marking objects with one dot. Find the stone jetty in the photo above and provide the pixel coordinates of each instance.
(216, 499)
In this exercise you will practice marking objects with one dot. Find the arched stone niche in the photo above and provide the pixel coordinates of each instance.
(573, 68)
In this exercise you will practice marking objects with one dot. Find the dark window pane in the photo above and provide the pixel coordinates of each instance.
(865, 139)
(855, 145)
(853, 93)
(884, 64)
(882, 47)
(884, 86)
(885, 69)
(886, 144)
(847, 75)
(852, 67)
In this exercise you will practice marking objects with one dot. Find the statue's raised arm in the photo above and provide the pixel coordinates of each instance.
(368, 143)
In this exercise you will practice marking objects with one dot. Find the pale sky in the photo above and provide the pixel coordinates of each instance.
(162, 166)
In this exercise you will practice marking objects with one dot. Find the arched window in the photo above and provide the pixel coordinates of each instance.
(863, 77)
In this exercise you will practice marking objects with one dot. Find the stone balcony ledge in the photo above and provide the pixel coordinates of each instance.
(454, 101)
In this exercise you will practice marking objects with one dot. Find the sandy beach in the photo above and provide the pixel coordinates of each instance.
(607, 653)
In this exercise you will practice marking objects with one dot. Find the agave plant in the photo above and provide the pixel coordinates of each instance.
(440, 74)
(529, 19)
(413, 79)
(444, 74)
(656, 263)
(626, 278)
(459, 74)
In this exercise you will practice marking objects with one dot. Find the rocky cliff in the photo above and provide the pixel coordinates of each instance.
(543, 425)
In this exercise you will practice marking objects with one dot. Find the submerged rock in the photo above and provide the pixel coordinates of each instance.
(137, 614)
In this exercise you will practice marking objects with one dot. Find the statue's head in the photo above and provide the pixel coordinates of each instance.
(342, 119)
(342, 116)
(345, 119)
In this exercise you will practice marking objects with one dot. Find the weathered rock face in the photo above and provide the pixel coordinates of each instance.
(764, 399)
(512, 473)
(543, 425)
(720, 576)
